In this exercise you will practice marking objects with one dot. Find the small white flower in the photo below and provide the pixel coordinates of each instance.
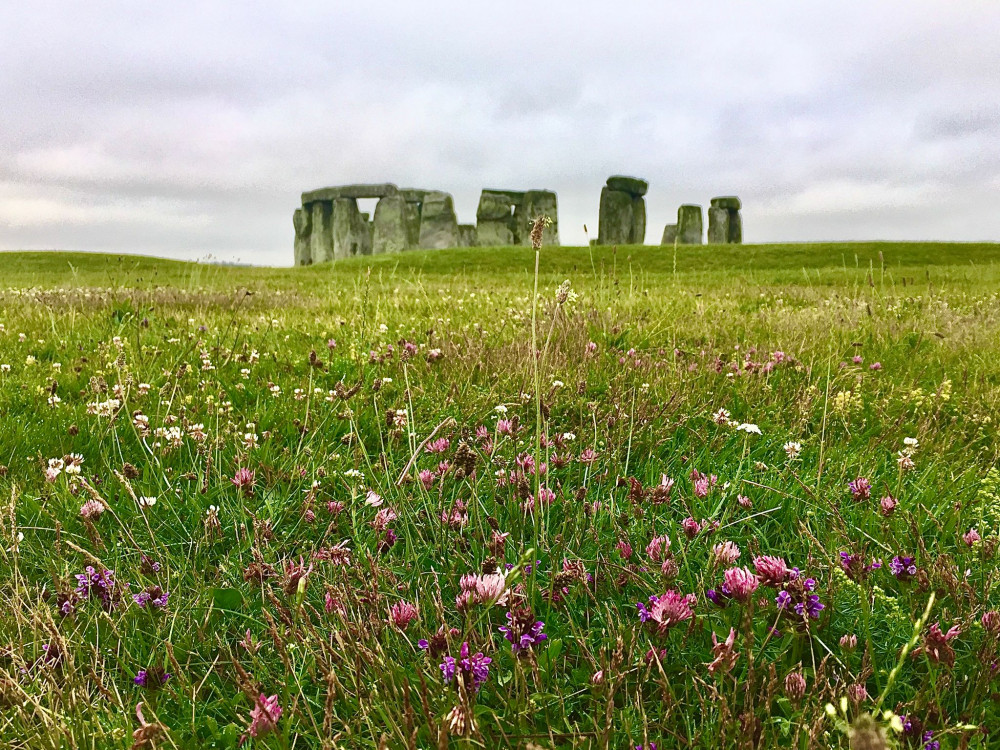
(910, 442)
(792, 449)
(147, 502)
(557, 384)
(500, 409)
(750, 429)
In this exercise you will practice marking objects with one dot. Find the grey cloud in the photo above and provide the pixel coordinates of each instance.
(191, 128)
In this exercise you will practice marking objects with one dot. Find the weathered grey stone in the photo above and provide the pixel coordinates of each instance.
(634, 186)
(513, 196)
(735, 228)
(689, 225)
(351, 235)
(729, 202)
(718, 226)
(494, 234)
(669, 234)
(321, 236)
(438, 223)
(413, 195)
(349, 191)
(637, 235)
(302, 222)
(540, 203)
(495, 205)
(389, 230)
(467, 236)
(413, 223)
(615, 220)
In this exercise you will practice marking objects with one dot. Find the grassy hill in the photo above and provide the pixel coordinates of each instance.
(697, 498)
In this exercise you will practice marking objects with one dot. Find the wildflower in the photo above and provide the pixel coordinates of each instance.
(854, 566)
(264, 716)
(152, 598)
(936, 645)
(861, 489)
(849, 642)
(744, 501)
(152, 678)
(243, 480)
(739, 583)
(792, 450)
(772, 570)
(100, 585)
(795, 686)
(722, 417)
(658, 548)
(667, 610)
(401, 614)
(991, 622)
(92, 510)
(796, 596)
(147, 502)
(887, 505)
(971, 536)
(624, 549)
(471, 671)
(726, 553)
(903, 567)
(522, 630)
(691, 527)
(750, 429)
(724, 653)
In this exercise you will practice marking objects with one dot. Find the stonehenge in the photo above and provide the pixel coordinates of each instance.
(622, 219)
(504, 217)
(329, 224)
(725, 225)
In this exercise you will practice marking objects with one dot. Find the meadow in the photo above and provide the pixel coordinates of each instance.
(713, 497)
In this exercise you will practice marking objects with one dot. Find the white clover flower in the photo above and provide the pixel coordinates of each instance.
(792, 449)
(750, 429)
(147, 502)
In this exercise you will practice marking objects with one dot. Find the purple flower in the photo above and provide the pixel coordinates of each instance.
(474, 670)
(97, 585)
(854, 566)
(523, 631)
(151, 678)
(861, 488)
(903, 567)
(153, 598)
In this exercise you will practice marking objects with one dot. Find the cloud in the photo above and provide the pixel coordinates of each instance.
(191, 128)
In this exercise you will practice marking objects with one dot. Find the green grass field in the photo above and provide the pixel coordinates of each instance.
(717, 497)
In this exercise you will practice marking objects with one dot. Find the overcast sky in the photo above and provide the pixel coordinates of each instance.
(189, 129)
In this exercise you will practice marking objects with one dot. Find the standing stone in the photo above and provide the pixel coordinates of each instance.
(351, 235)
(718, 226)
(615, 221)
(637, 235)
(495, 220)
(689, 225)
(494, 234)
(467, 235)
(669, 234)
(302, 222)
(321, 237)
(389, 234)
(732, 205)
(735, 228)
(438, 223)
(413, 223)
(541, 203)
